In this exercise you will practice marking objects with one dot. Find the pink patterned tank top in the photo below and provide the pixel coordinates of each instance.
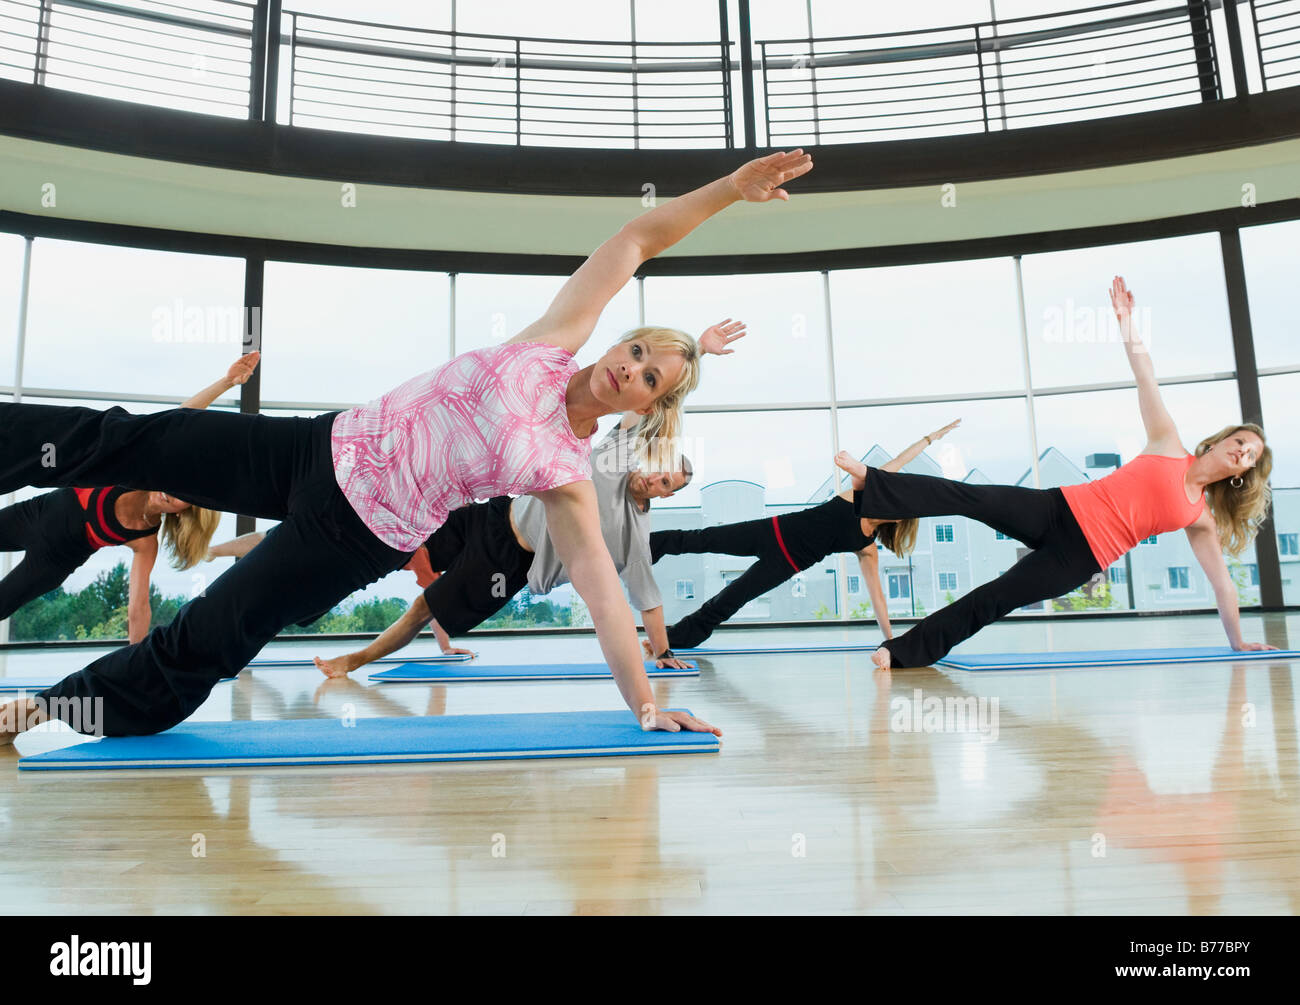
(489, 422)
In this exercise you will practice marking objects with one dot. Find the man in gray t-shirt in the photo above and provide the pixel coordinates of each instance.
(624, 524)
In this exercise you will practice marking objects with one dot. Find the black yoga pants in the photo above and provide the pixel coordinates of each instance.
(278, 468)
(50, 530)
(752, 537)
(1040, 518)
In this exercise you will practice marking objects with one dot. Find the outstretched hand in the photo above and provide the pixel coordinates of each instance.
(673, 722)
(939, 434)
(1256, 647)
(715, 340)
(761, 180)
(1121, 299)
(242, 368)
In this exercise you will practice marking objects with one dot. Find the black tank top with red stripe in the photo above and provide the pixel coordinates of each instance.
(809, 535)
(103, 529)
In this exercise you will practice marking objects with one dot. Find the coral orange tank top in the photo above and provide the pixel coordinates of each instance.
(1144, 497)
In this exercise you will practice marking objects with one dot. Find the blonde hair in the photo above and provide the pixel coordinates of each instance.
(188, 534)
(1238, 511)
(899, 536)
(658, 435)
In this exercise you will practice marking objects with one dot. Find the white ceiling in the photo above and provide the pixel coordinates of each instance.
(105, 187)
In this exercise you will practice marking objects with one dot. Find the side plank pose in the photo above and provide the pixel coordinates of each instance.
(1219, 495)
(487, 552)
(787, 544)
(356, 492)
(60, 530)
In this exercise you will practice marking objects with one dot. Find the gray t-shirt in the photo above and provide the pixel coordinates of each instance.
(623, 524)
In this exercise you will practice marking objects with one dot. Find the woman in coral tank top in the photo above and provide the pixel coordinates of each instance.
(1218, 496)
(356, 492)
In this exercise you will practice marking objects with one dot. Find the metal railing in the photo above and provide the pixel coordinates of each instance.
(253, 60)
(196, 57)
(1277, 40)
(367, 77)
(1133, 56)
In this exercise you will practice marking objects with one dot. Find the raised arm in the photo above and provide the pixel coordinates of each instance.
(574, 526)
(905, 458)
(572, 316)
(1162, 435)
(914, 451)
(1204, 539)
(869, 562)
(239, 372)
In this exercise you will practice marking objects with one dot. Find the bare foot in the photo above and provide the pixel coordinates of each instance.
(337, 667)
(857, 471)
(881, 658)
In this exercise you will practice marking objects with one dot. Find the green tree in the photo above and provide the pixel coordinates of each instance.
(1099, 598)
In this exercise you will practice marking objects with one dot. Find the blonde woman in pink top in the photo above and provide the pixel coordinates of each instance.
(356, 492)
(1218, 496)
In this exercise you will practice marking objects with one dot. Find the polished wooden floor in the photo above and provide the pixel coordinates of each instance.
(1165, 790)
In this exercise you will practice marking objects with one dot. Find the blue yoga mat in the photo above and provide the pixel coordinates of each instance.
(1106, 658)
(413, 739)
(422, 673)
(11, 685)
(866, 647)
(285, 664)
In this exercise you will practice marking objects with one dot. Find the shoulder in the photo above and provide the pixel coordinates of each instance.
(532, 349)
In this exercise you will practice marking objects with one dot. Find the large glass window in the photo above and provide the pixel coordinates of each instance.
(788, 454)
(929, 330)
(128, 320)
(347, 335)
(1181, 310)
(781, 359)
(11, 278)
(1279, 396)
(1272, 261)
(490, 309)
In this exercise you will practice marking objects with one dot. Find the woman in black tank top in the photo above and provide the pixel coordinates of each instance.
(786, 545)
(59, 530)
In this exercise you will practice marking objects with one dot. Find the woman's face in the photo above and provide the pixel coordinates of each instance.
(1238, 452)
(632, 375)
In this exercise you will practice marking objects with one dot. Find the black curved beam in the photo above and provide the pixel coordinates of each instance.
(65, 117)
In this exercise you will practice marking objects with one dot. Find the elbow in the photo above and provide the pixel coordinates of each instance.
(637, 239)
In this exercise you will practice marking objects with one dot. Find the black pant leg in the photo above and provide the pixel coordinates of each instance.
(763, 575)
(225, 461)
(319, 554)
(20, 523)
(1021, 513)
(1048, 572)
(36, 575)
(749, 538)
